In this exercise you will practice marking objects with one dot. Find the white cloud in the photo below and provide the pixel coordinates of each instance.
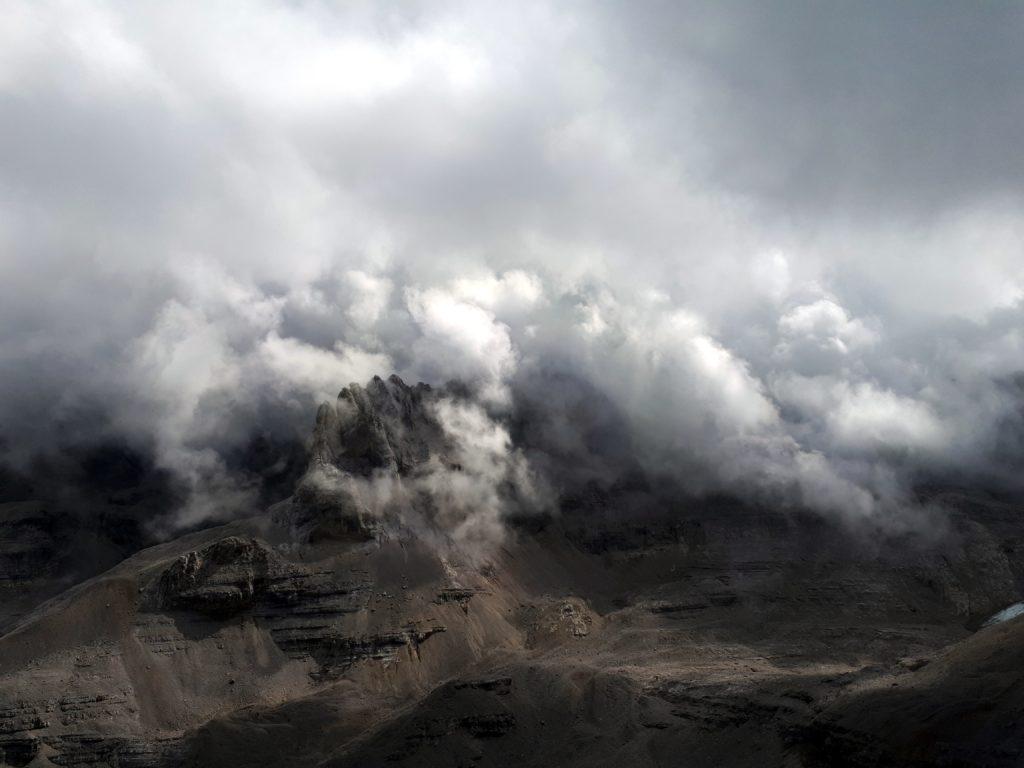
(372, 294)
(514, 292)
(819, 337)
(469, 501)
(462, 340)
(867, 418)
(827, 322)
(293, 364)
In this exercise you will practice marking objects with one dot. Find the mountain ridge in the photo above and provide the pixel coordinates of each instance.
(323, 631)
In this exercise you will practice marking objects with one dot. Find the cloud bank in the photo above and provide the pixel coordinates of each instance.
(781, 246)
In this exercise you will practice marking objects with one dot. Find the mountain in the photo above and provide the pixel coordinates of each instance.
(347, 625)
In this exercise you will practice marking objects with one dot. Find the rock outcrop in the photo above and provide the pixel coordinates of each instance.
(369, 437)
(386, 426)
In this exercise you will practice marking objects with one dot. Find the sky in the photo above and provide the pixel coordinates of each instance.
(780, 245)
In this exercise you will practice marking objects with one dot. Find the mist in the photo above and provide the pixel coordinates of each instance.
(767, 251)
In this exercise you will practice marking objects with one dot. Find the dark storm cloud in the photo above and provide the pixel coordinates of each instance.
(839, 108)
(781, 242)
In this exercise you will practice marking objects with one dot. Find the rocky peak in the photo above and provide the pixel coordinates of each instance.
(386, 425)
(385, 428)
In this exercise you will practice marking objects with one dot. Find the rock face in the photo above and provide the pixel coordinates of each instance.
(962, 708)
(386, 429)
(223, 579)
(30, 543)
(711, 633)
(552, 622)
(43, 551)
(387, 425)
(304, 609)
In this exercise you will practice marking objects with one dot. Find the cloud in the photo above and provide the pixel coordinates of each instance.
(785, 268)
(877, 109)
(514, 292)
(471, 502)
(825, 322)
(462, 340)
(819, 337)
